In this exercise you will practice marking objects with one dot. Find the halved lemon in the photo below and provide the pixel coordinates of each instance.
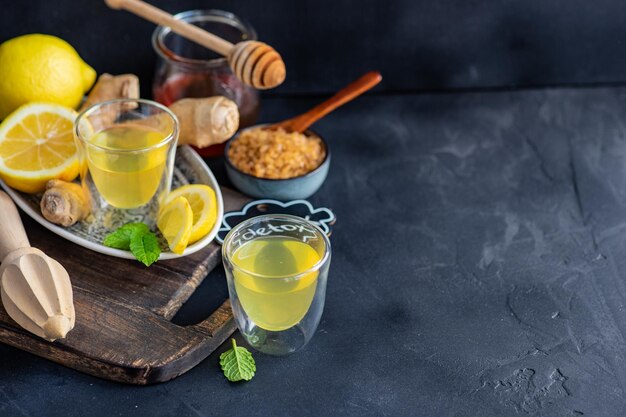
(203, 204)
(174, 222)
(37, 145)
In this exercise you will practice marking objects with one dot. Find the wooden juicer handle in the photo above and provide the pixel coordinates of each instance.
(35, 289)
(255, 63)
(12, 233)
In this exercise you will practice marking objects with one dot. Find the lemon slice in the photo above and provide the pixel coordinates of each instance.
(37, 145)
(203, 204)
(175, 222)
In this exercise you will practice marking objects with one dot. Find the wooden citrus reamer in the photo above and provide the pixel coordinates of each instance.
(255, 63)
(36, 289)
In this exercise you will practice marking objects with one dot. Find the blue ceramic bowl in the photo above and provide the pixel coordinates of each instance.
(294, 188)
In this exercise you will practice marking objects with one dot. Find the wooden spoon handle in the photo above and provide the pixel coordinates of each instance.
(350, 92)
(158, 16)
(12, 233)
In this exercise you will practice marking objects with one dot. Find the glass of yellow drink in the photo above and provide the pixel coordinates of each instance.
(277, 267)
(127, 152)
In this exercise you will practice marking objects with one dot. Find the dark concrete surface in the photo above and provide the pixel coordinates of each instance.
(478, 269)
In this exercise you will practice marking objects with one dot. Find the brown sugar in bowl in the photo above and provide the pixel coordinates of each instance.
(269, 165)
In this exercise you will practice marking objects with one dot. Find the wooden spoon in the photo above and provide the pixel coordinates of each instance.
(348, 93)
(255, 63)
(36, 289)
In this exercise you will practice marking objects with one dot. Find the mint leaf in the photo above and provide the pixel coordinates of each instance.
(237, 363)
(120, 239)
(145, 247)
(137, 238)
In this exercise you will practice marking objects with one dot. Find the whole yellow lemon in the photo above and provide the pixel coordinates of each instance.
(41, 68)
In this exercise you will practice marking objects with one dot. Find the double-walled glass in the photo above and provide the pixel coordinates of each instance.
(277, 267)
(126, 151)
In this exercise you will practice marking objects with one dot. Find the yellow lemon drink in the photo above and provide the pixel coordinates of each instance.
(264, 279)
(125, 164)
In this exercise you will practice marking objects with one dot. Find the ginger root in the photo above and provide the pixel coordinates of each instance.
(202, 121)
(110, 87)
(64, 203)
(206, 121)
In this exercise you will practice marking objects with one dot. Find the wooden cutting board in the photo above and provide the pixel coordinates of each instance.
(123, 330)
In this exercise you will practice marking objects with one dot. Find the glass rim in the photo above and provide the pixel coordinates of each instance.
(165, 142)
(199, 15)
(291, 277)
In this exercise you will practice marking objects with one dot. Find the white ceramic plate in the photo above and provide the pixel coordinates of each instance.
(189, 169)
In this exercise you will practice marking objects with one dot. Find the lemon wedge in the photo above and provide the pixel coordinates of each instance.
(175, 222)
(37, 145)
(203, 204)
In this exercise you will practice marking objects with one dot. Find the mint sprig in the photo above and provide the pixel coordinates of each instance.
(120, 239)
(237, 363)
(138, 239)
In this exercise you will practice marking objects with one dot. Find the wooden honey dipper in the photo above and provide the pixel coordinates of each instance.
(255, 63)
(36, 289)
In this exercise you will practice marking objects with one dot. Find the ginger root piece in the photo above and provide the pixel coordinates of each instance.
(64, 203)
(206, 121)
(202, 121)
(109, 87)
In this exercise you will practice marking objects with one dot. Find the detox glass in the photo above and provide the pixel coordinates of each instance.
(277, 267)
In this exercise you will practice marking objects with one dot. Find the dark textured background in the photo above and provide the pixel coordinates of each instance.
(478, 271)
(417, 44)
(478, 258)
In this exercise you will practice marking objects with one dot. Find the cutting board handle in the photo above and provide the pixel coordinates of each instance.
(217, 321)
(12, 234)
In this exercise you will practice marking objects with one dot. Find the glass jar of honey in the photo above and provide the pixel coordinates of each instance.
(186, 69)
